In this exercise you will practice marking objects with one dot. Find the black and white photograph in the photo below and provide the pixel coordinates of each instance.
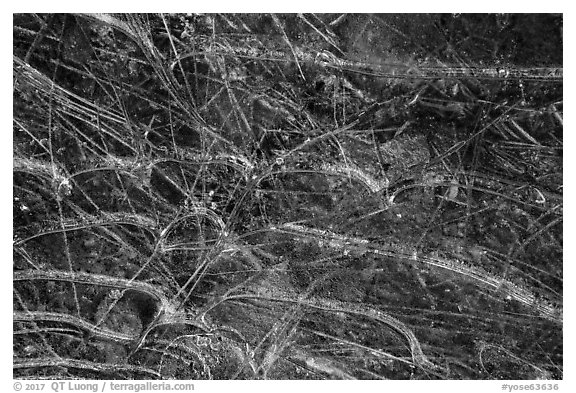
(287, 196)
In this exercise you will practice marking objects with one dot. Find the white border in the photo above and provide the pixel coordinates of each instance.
(296, 6)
